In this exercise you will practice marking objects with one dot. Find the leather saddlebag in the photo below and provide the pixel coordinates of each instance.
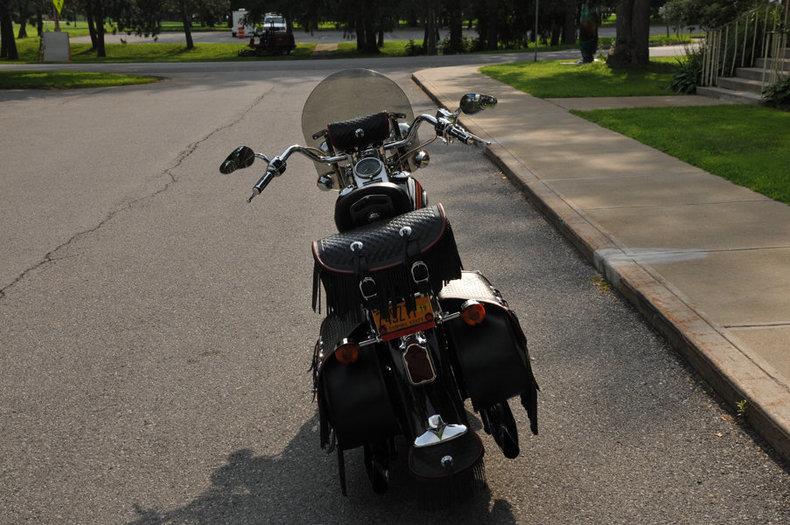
(386, 262)
(491, 358)
(352, 399)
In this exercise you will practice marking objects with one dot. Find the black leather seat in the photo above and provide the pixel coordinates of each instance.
(370, 130)
(380, 200)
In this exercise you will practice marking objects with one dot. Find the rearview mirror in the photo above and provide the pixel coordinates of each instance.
(472, 103)
(240, 158)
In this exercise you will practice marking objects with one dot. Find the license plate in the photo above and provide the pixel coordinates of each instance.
(404, 321)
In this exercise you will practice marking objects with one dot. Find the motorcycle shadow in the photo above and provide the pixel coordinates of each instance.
(301, 486)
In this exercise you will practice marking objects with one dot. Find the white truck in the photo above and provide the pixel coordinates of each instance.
(241, 28)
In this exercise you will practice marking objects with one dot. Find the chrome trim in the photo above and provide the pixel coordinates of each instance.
(439, 432)
(448, 317)
(344, 341)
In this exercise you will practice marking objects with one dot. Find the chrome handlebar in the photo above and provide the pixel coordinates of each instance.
(276, 166)
(444, 125)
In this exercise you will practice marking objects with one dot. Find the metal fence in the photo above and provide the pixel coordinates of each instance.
(758, 38)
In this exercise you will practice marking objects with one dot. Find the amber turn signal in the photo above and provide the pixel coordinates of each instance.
(347, 352)
(473, 313)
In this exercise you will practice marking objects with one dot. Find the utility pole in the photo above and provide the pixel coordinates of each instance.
(537, 4)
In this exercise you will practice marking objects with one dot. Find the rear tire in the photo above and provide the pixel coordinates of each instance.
(376, 465)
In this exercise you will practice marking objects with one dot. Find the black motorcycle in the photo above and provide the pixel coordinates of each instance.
(408, 335)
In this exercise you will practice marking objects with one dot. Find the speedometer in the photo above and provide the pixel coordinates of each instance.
(368, 168)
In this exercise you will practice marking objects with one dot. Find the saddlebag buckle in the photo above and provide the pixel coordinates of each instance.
(368, 289)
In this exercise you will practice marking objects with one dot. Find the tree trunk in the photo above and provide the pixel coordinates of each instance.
(39, 20)
(456, 28)
(92, 30)
(22, 29)
(186, 19)
(380, 42)
(631, 47)
(7, 43)
(370, 36)
(430, 30)
(569, 22)
(359, 28)
(98, 21)
(492, 25)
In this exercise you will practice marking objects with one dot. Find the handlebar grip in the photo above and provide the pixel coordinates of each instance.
(460, 134)
(262, 183)
(467, 138)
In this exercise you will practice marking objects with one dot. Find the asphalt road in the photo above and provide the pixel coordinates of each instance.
(156, 333)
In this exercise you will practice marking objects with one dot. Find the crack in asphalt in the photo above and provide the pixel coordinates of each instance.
(184, 154)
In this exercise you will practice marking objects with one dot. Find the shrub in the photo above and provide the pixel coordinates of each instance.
(413, 49)
(467, 45)
(689, 73)
(778, 94)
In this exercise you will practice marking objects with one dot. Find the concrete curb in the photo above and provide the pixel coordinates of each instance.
(706, 347)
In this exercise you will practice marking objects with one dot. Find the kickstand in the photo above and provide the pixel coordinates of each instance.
(341, 470)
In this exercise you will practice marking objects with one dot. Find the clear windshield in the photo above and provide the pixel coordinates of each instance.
(349, 94)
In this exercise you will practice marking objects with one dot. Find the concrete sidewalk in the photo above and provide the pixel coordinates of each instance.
(706, 261)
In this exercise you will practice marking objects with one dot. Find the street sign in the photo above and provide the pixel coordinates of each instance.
(58, 5)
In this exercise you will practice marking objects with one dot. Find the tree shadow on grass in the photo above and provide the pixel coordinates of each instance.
(300, 486)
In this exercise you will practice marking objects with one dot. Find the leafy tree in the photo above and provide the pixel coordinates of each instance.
(706, 13)
(96, 13)
(144, 17)
(140, 17)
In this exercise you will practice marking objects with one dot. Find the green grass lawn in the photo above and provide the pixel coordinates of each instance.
(392, 48)
(80, 27)
(748, 145)
(28, 52)
(564, 78)
(178, 27)
(656, 40)
(67, 79)
(73, 28)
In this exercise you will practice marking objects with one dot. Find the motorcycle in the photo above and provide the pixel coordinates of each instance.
(408, 334)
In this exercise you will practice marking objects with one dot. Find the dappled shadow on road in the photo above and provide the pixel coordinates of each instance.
(300, 485)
